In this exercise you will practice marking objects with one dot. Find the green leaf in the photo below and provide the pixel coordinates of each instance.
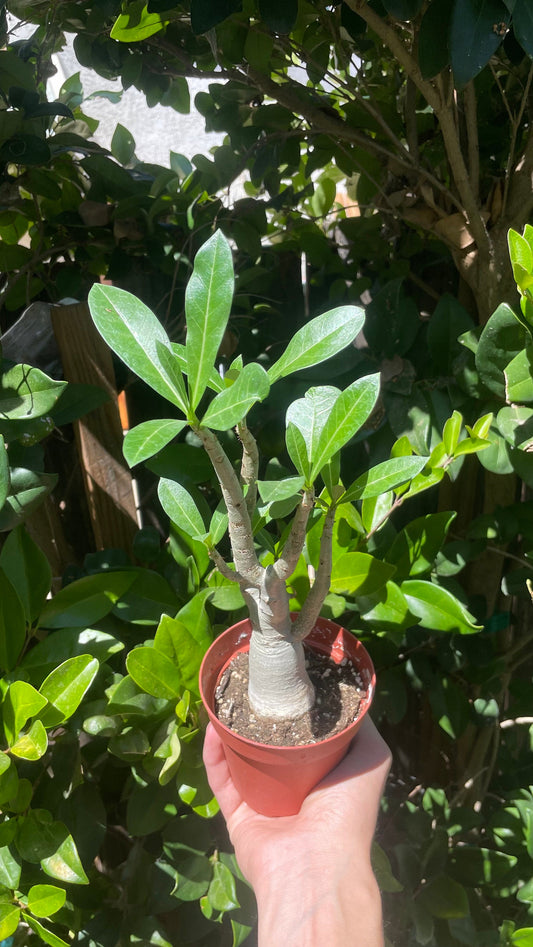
(181, 508)
(31, 745)
(359, 573)
(476, 866)
(297, 450)
(28, 490)
(521, 259)
(9, 779)
(518, 376)
(310, 413)
(133, 332)
(9, 920)
(349, 413)
(133, 26)
(174, 640)
(41, 840)
(415, 548)
(221, 894)
(154, 673)
(5, 479)
(502, 338)
(47, 937)
(26, 392)
(473, 39)
(65, 687)
(232, 405)
(279, 15)
(67, 643)
(524, 936)
(149, 438)
(10, 868)
(258, 50)
(523, 30)
(28, 570)
(205, 15)
(208, 299)
(384, 477)
(381, 867)
(274, 491)
(86, 600)
(437, 608)
(44, 900)
(443, 897)
(434, 57)
(122, 144)
(514, 422)
(12, 624)
(319, 340)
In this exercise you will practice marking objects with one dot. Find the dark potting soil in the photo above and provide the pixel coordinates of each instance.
(338, 689)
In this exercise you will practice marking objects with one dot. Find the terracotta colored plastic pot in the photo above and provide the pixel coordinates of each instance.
(274, 780)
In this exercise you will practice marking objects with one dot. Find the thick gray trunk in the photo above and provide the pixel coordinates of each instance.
(279, 684)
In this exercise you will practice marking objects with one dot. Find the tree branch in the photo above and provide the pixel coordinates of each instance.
(285, 566)
(305, 622)
(470, 106)
(240, 527)
(249, 465)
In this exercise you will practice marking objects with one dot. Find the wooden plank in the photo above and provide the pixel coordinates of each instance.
(107, 480)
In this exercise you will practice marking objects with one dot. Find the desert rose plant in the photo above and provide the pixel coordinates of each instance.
(318, 426)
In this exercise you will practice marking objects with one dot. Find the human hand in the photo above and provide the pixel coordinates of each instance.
(311, 872)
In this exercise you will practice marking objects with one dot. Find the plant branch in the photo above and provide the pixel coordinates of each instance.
(240, 527)
(249, 465)
(306, 619)
(470, 107)
(285, 566)
(223, 567)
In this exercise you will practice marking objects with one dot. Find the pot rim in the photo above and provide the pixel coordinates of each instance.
(245, 628)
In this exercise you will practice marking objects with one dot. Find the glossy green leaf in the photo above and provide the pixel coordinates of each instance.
(26, 392)
(444, 898)
(86, 600)
(221, 894)
(132, 331)
(9, 779)
(310, 413)
(232, 405)
(69, 642)
(133, 26)
(180, 507)
(65, 687)
(297, 450)
(521, 260)
(148, 438)
(175, 641)
(318, 340)
(502, 338)
(515, 423)
(518, 376)
(522, 937)
(10, 868)
(208, 300)
(5, 479)
(437, 608)
(359, 573)
(44, 900)
(47, 937)
(42, 840)
(28, 570)
(154, 673)
(415, 548)
(350, 411)
(273, 491)
(12, 624)
(27, 491)
(31, 745)
(473, 39)
(385, 476)
(9, 920)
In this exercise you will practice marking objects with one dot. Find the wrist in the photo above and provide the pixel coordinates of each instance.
(314, 911)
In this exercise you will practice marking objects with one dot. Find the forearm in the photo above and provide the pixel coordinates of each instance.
(312, 915)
